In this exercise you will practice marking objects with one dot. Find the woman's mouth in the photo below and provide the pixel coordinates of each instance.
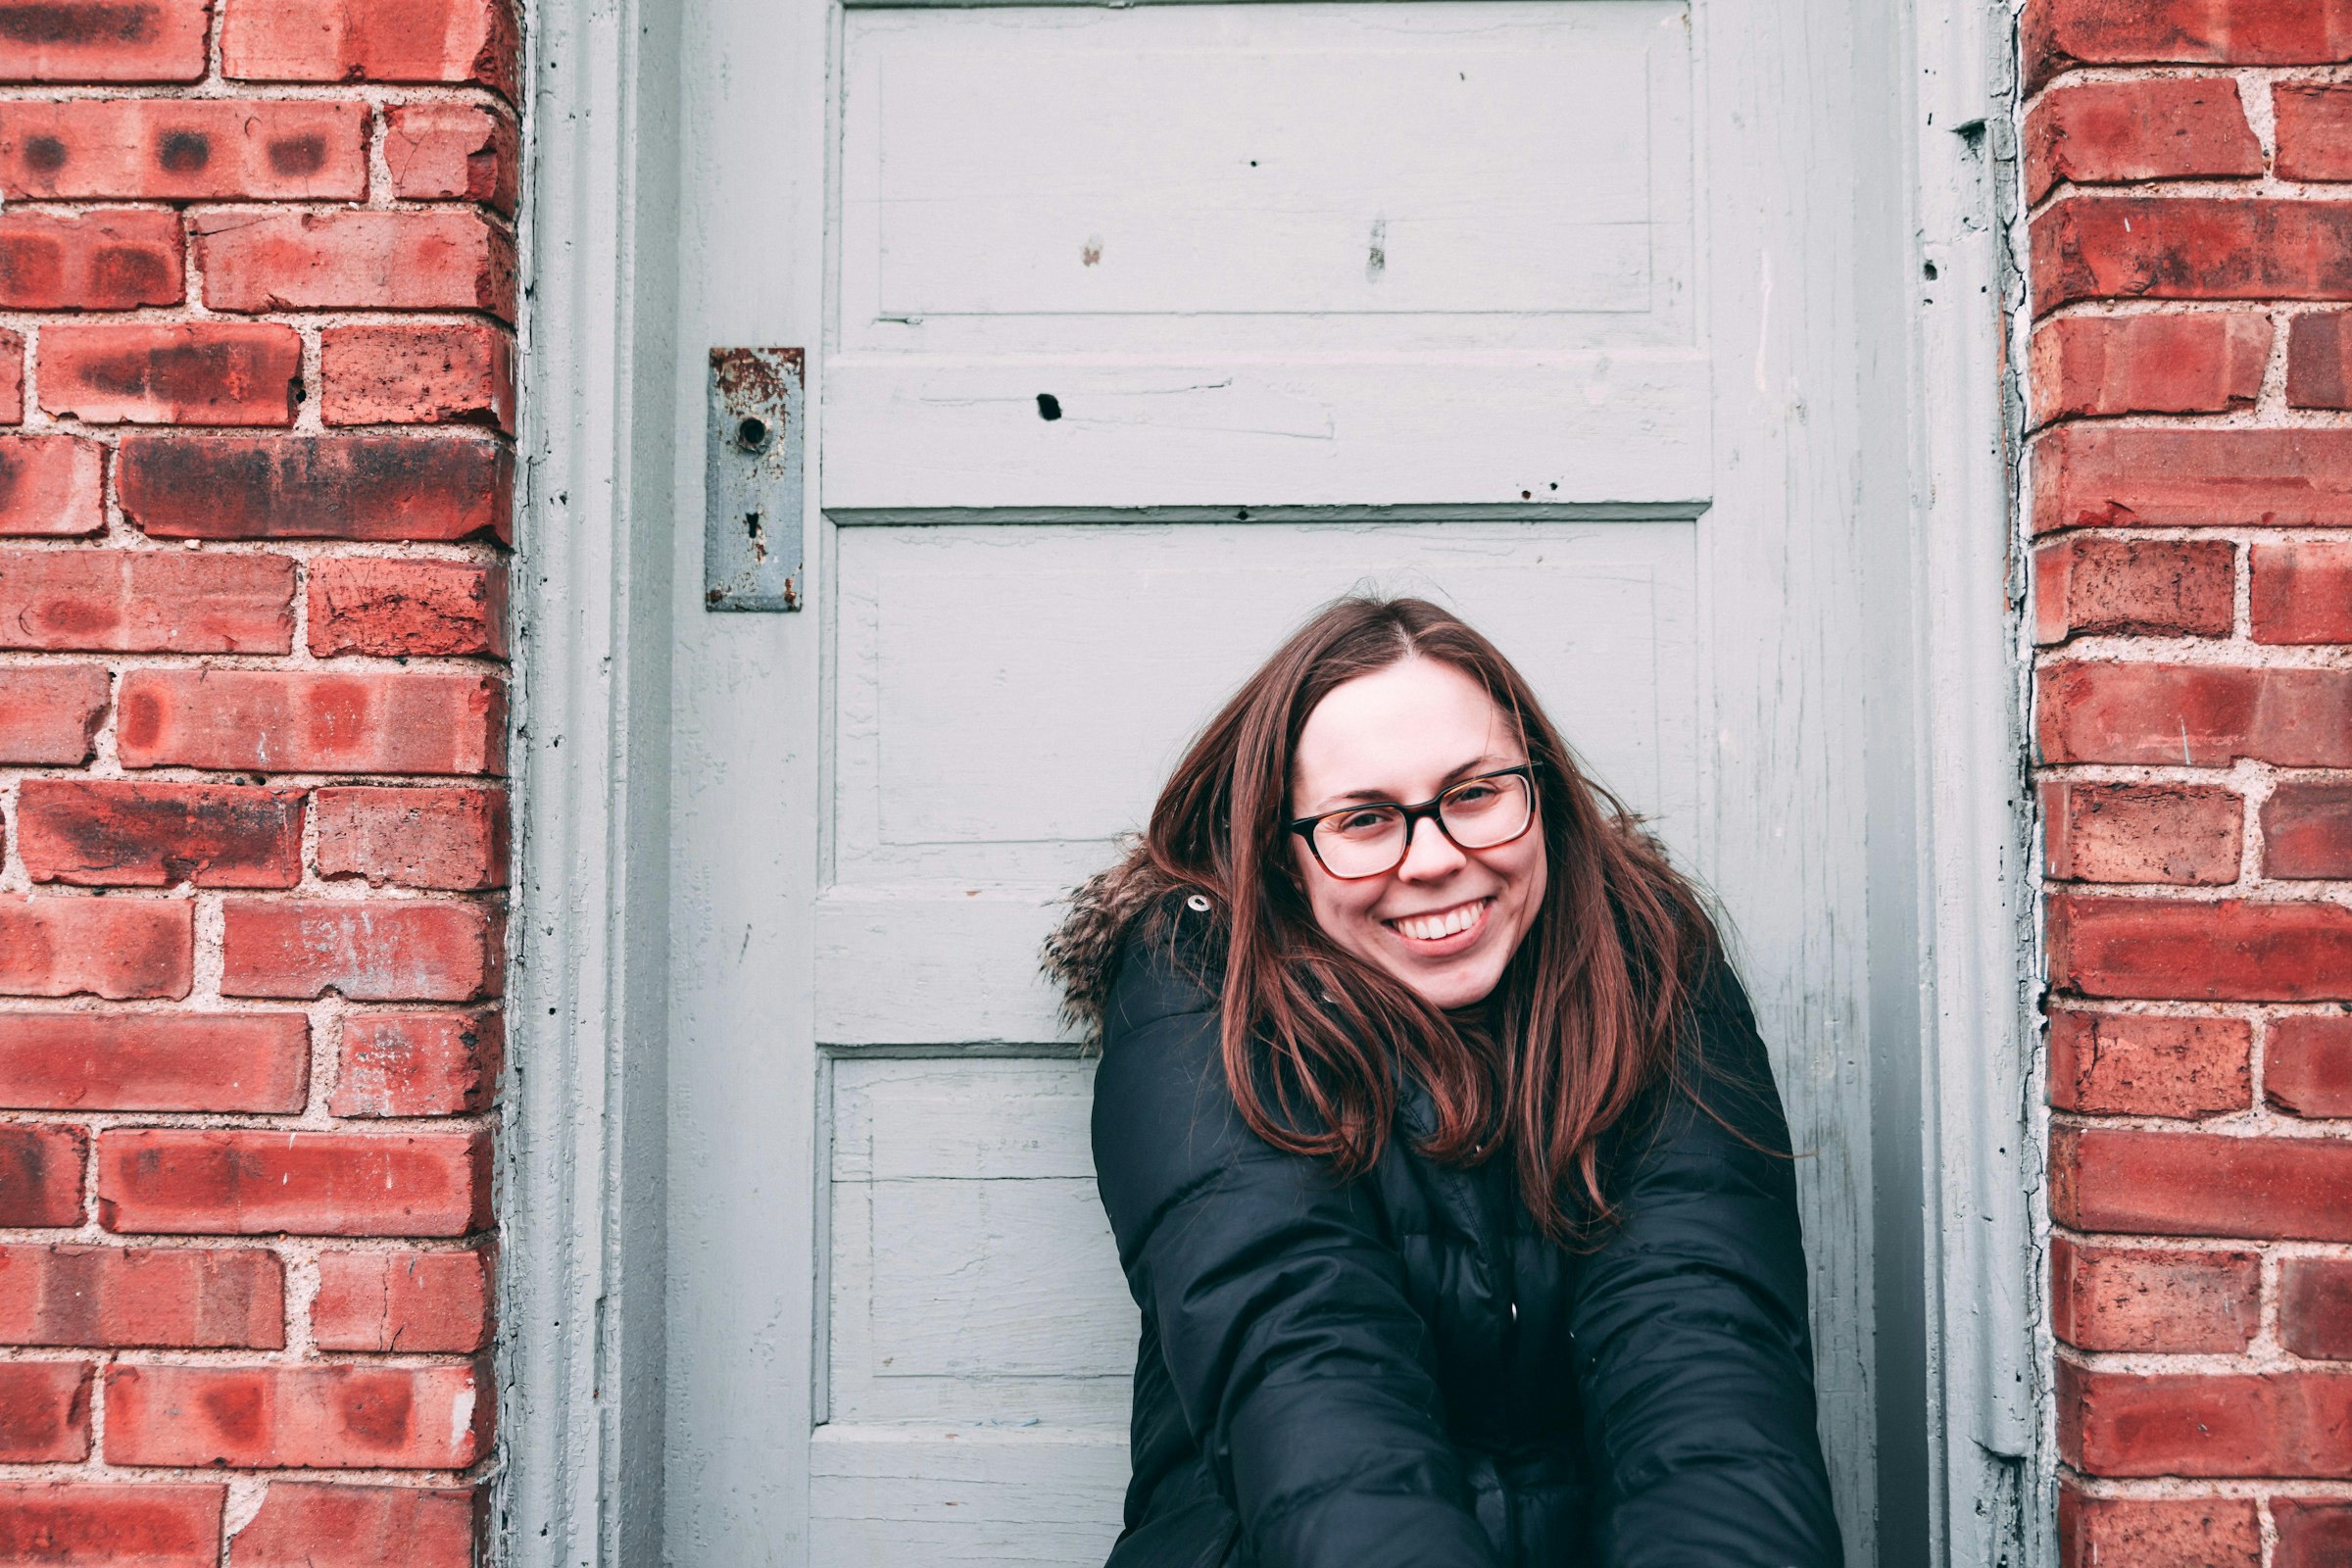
(1448, 927)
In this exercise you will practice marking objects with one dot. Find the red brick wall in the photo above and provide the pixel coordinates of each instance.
(256, 277)
(2190, 162)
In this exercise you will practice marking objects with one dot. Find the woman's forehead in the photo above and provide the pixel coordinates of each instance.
(1401, 729)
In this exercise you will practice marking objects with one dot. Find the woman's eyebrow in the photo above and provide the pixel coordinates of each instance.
(1476, 764)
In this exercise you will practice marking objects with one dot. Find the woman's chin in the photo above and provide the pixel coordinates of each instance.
(1451, 983)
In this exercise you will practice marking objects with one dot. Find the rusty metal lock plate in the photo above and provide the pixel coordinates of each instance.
(752, 483)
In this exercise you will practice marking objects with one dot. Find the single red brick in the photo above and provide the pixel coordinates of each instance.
(116, 261)
(441, 373)
(2107, 364)
(102, 41)
(447, 259)
(2185, 476)
(2196, 1184)
(204, 1182)
(51, 712)
(418, 1063)
(2111, 132)
(204, 372)
(2061, 34)
(2193, 715)
(372, 41)
(2141, 833)
(2313, 1532)
(49, 485)
(2315, 1307)
(2131, 1064)
(44, 1411)
(439, 151)
(371, 949)
(407, 608)
(2307, 1066)
(110, 1296)
(2318, 353)
(125, 1526)
(182, 149)
(2133, 1298)
(146, 601)
(2236, 950)
(111, 948)
(402, 1301)
(2157, 1532)
(2313, 127)
(2187, 1424)
(154, 1061)
(298, 1417)
(421, 486)
(371, 1527)
(2090, 584)
(41, 1174)
(2190, 248)
(453, 839)
(106, 833)
(2306, 831)
(2302, 591)
(374, 722)
(12, 378)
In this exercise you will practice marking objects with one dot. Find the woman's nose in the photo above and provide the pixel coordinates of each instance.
(1429, 854)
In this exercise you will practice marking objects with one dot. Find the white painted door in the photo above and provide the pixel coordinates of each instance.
(1135, 333)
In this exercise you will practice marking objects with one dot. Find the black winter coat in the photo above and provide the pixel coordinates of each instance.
(1403, 1370)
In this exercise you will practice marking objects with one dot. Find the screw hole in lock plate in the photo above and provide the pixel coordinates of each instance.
(752, 433)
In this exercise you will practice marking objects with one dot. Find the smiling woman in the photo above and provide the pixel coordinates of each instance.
(1441, 1153)
(1442, 911)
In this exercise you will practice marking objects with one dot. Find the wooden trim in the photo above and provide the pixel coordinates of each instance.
(580, 1151)
(1992, 1449)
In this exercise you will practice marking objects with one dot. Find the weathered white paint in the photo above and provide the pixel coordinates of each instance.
(1983, 1086)
(581, 1311)
(998, 171)
(952, 1183)
(1003, 694)
(930, 1494)
(1308, 293)
(961, 810)
(1801, 465)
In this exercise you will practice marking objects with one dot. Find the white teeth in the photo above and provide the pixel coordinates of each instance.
(1445, 923)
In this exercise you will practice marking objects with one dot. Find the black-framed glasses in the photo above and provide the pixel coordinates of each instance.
(1373, 839)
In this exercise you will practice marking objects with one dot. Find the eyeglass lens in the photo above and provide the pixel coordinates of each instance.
(1477, 814)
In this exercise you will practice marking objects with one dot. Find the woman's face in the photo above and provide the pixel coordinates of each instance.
(1446, 920)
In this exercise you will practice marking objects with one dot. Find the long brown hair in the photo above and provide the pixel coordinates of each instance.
(1585, 1017)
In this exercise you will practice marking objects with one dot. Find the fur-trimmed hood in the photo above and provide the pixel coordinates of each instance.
(1106, 909)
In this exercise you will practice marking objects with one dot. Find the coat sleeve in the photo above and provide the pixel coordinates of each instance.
(1301, 1368)
(1694, 1354)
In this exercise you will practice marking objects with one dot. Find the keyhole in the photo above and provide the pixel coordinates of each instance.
(750, 527)
(1048, 407)
(750, 432)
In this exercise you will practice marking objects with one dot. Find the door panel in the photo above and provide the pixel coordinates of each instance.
(1027, 170)
(1264, 255)
(973, 1274)
(1009, 698)
(887, 1497)
(981, 1338)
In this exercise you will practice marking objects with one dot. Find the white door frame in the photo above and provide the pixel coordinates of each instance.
(620, 678)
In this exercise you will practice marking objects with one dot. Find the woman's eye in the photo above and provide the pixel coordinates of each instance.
(1355, 822)
(1475, 795)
